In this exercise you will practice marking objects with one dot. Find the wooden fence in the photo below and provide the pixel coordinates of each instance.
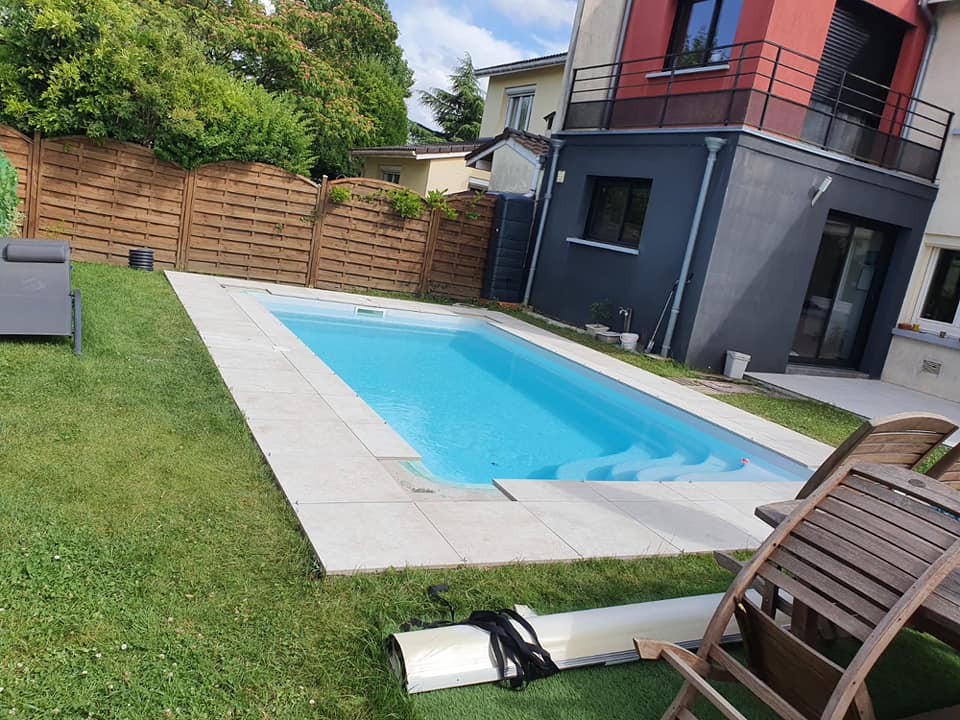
(247, 220)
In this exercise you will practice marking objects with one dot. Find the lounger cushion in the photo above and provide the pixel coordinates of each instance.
(38, 251)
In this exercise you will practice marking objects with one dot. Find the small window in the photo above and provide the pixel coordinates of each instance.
(617, 211)
(943, 290)
(390, 174)
(519, 108)
(702, 32)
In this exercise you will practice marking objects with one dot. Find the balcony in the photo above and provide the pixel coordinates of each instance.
(770, 88)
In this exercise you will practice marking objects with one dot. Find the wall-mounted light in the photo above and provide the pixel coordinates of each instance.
(820, 189)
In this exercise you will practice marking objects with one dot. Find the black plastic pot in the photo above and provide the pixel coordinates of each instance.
(141, 259)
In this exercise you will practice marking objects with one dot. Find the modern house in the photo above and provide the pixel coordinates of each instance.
(757, 173)
(424, 167)
(925, 355)
(519, 114)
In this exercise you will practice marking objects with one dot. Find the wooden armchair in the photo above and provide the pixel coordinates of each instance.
(869, 547)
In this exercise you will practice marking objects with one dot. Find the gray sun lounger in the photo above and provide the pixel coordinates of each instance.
(35, 293)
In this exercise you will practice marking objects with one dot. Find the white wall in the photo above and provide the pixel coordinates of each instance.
(943, 229)
(594, 42)
(546, 99)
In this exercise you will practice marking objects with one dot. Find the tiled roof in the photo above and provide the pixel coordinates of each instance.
(539, 145)
(521, 65)
(421, 149)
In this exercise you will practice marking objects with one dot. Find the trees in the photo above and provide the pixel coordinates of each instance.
(459, 110)
(204, 80)
(131, 71)
(338, 59)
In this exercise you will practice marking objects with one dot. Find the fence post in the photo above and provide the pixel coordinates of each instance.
(186, 220)
(31, 218)
(433, 230)
(320, 212)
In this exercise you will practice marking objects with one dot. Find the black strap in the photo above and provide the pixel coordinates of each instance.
(529, 657)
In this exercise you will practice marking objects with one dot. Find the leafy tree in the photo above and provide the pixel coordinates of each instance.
(338, 59)
(422, 134)
(130, 70)
(458, 111)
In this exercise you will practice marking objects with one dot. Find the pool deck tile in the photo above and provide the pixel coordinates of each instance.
(337, 480)
(366, 537)
(336, 459)
(307, 407)
(695, 526)
(547, 490)
(599, 529)
(494, 533)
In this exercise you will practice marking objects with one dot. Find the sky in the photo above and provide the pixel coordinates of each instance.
(435, 33)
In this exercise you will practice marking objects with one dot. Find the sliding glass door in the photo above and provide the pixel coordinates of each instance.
(842, 294)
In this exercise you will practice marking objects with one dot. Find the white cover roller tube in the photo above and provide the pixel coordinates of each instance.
(457, 655)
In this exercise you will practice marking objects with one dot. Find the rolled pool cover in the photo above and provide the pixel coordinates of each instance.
(456, 655)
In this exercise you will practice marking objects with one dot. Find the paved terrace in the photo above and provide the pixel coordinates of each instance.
(342, 467)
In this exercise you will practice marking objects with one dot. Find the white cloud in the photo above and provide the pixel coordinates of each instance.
(433, 38)
(550, 13)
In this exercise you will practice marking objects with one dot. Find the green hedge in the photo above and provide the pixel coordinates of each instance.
(9, 202)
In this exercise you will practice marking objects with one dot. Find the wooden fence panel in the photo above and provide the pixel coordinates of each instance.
(247, 220)
(107, 198)
(17, 147)
(366, 245)
(461, 250)
(252, 221)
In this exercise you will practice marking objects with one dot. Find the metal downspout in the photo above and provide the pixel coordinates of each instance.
(924, 63)
(713, 147)
(556, 145)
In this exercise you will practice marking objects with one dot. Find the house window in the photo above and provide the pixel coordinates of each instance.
(942, 295)
(617, 210)
(702, 32)
(520, 107)
(390, 174)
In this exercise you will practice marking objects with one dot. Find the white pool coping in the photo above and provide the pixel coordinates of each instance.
(342, 467)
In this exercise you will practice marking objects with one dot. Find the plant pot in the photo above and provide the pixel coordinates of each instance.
(736, 364)
(594, 329)
(608, 338)
(629, 341)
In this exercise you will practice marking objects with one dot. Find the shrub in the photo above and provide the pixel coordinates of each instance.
(9, 202)
(437, 200)
(340, 194)
(405, 203)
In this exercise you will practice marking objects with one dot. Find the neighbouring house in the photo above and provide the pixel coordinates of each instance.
(759, 173)
(424, 167)
(522, 102)
(928, 359)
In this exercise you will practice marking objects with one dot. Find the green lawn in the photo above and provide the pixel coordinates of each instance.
(150, 567)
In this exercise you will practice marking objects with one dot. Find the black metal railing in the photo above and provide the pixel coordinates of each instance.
(773, 89)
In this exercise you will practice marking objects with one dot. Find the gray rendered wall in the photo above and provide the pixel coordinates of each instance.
(767, 240)
(571, 277)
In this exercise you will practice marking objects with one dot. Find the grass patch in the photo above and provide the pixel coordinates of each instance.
(150, 567)
(824, 422)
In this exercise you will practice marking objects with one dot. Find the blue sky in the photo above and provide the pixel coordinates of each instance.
(434, 33)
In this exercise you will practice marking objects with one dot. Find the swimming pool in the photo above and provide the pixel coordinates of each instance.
(478, 403)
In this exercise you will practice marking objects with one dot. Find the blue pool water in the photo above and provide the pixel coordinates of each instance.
(478, 403)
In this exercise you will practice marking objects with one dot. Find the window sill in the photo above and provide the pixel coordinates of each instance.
(603, 246)
(688, 71)
(927, 337)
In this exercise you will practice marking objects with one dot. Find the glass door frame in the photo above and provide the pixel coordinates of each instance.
(889, 234)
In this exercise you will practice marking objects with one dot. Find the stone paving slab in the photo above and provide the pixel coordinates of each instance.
(493, 533)
(334, 457)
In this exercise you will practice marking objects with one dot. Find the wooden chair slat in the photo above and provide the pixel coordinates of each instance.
(840, 571)
(905, 503)
(888, 529)
(914, 422)
(869, 542)
(921, 487)
(854, 603)
(816, 601)
(877, 568)
(932, 532)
